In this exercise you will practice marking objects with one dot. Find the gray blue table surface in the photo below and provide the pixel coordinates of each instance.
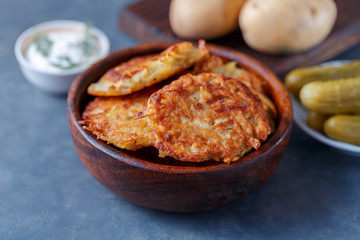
(47, 193)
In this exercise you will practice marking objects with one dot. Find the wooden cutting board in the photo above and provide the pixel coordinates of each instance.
(147, 21)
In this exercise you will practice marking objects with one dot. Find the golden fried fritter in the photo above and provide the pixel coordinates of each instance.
(253, 82)
(206, 116)
(208, 64)
(231, 70)
(215, 64)
(137, 74)
(111, 120)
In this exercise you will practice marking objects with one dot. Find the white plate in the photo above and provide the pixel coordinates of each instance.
(300, 114)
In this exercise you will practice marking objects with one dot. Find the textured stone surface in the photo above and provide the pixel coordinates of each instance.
(46, 192)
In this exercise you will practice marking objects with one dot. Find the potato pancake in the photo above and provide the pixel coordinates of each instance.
(208, 64)
(215, 64)
(206, 116)
(111, 120)
(139, 73)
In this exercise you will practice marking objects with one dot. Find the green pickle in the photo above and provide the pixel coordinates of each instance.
(344, 128)
(315, 120)
(332, 97)
(297, 78)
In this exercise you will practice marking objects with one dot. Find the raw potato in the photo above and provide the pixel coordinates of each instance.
(205, 19)
(286, 26)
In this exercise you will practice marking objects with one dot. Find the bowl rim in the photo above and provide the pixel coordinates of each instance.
(284, 126)
(51, 25)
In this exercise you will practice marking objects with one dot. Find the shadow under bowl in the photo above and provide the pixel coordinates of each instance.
(143, 178)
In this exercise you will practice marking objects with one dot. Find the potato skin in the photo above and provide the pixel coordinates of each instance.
(205, 19)
(286, 26)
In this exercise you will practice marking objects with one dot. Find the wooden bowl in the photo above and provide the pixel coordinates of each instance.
(167, 184)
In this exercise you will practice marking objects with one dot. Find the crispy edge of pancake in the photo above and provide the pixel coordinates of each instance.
(198, 117)
(128, 78)
(256, 86)
(111, 120)
(208, 64)
(215, 64)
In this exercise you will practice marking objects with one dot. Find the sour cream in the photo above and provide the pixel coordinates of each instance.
(61, 55)
(65, 51)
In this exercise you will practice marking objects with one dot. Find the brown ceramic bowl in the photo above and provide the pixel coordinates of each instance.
(167, 184)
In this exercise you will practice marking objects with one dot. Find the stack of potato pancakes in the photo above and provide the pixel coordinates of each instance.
(188, 103)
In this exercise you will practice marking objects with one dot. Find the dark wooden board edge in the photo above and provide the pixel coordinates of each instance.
(147, 21)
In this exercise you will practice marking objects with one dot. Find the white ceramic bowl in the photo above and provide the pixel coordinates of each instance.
(47, 80)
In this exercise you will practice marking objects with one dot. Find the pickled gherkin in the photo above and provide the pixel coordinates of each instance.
(332, 97)
(316, 120)
(297, 78)
(345, 128)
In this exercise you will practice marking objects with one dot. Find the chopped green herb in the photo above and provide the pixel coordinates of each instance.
(84, 46)
(65, 63)
(88, 44)
(43, 44)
